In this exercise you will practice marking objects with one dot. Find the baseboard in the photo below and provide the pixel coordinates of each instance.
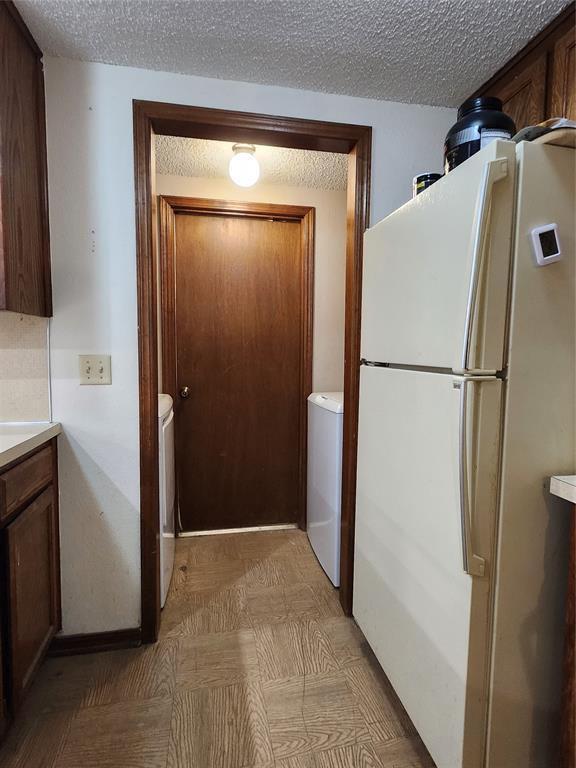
(95, 642)
(251, 529)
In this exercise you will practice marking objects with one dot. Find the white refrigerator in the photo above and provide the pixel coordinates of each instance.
(467, 406)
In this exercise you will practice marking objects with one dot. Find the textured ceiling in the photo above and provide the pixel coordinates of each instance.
(421, 51)
(294, 167)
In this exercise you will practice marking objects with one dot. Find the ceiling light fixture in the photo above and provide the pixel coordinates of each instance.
(244, 168)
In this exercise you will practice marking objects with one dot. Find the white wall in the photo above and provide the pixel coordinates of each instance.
(329, 259)
(91, 187)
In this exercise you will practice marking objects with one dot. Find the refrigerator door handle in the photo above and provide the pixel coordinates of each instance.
(472, 564)
(494, 171)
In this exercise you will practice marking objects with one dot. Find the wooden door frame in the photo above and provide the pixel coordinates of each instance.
(198, 122)
(168, 207)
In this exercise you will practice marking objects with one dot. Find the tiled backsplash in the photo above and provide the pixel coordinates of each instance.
(24, 372)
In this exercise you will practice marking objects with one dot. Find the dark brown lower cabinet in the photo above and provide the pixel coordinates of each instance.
(31, 590)
(3, 699)
(568, 738)
(30, 583)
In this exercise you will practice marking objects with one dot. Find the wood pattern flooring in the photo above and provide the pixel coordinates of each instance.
(256, 667)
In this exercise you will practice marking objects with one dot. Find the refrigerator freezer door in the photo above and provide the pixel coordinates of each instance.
(539, 440)
(435, 280)
(426, 619)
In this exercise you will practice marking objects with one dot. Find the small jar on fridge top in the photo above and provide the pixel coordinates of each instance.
(423, 181)
(480, 121)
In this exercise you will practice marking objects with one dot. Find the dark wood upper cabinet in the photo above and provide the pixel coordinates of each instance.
(24, 236)
(523, 93)
(539, 82)
(563, 79)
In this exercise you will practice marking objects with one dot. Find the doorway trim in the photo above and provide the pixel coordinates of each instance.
(168, 207)
(198, 122)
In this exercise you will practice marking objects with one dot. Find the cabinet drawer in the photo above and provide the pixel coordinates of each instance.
(24, 481)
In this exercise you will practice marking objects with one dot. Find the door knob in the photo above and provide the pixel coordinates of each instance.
(185, 393)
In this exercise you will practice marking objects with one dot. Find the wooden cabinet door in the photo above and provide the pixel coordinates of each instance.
(33, 590)
(3, 699)
(563, 89)
(523, 93)
(540, 81)
(24, 239)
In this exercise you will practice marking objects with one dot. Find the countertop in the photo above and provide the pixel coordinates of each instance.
(18, 438)
(564, 486)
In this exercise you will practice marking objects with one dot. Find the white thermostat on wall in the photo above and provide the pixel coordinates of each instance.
(546, 244)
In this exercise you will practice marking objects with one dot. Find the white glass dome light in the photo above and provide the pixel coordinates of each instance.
(244, 168)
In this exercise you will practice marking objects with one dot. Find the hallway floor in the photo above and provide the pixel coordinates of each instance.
(256, 667)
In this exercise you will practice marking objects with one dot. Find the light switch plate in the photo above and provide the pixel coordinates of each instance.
(95, 369)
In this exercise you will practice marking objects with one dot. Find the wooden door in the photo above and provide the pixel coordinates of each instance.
(563, 84)
(32, 590)
(240, 327)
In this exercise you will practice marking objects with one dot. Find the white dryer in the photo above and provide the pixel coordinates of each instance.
(167, 492)
(325, 422)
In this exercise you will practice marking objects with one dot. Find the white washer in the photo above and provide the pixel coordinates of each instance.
(325, 422)
(167, 492)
